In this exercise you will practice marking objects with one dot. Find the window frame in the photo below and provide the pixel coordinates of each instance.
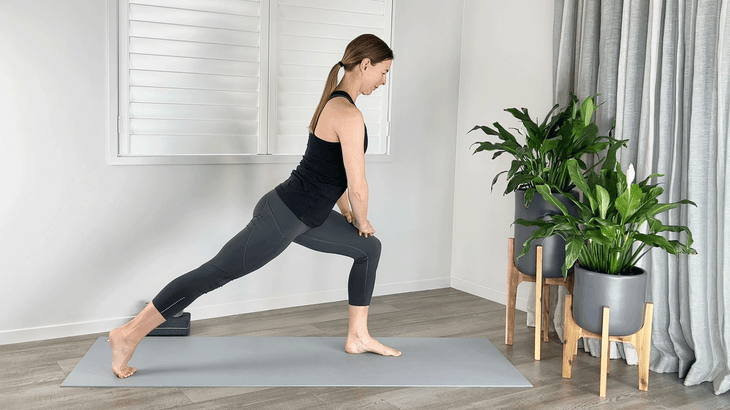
(115, 109)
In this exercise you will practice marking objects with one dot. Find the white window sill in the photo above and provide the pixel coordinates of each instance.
(224, 159)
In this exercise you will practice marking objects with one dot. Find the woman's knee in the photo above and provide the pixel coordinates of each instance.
(372, 247)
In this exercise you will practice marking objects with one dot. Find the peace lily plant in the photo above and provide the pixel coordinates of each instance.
(542, 159)
(617, 219)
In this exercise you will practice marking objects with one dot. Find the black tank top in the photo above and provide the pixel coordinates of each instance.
(319, 181)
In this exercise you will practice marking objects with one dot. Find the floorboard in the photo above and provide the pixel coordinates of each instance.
(32, 372)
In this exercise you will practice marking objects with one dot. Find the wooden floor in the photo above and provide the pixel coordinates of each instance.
(31, 373)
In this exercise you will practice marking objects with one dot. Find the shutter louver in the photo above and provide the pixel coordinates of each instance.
(309, 37)
(234, 81)
(193, 77)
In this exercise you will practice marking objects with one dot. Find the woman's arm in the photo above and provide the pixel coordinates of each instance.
(351, 133)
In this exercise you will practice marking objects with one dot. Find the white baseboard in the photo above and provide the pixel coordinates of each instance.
(208, 312)
(486, 293)
(238, 308)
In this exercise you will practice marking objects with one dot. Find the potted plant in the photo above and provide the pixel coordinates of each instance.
(541, 160)
(615, 226)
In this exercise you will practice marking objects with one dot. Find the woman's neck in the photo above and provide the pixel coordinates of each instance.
(350, 86)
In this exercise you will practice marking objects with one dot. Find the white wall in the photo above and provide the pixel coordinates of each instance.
(83, 244)
(506, 61)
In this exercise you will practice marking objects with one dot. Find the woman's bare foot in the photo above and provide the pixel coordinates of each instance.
(124, 340)
(358, 337)
(122, 351)
(355, 345)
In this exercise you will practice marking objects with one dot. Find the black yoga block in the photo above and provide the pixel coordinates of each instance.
(174, 326)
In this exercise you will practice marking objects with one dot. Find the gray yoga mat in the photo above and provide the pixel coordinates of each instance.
(299, 361)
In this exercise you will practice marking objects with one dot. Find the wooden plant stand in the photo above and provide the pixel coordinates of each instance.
(542, 296)
(641, 341)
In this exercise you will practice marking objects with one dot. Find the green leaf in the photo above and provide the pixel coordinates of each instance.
(577, 178)
(659, 208)
(504, 134)
(544, 190)
(609, 234)
(596, 148)
(673, 247)
(484, 128)
(555, 118)
(528, 222)
(652, 192)
(496, 177)
(573, 249)
(532, 128)
(629, 201)
(619, 179)
(597, 236)
(516, 165)
(549, 145)
(587, 109)
(488, 146)
(523, 116)
(544, 230)
(529, 194)
(604, 200)
(655, 226)
(646, 181)
(520, 179)
(610, 162)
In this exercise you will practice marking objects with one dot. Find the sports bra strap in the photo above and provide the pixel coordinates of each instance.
(340, 93)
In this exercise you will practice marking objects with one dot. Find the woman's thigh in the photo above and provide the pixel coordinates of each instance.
(338, 236)
(269, 232)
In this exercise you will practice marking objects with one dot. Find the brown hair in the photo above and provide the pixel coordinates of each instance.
(362, 47)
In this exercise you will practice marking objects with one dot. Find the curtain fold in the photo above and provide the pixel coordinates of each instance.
(662, 72)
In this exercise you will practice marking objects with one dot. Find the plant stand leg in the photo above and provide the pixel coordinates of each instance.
(643, 347)
(512, 281)
(571, 334)
(569, 282)
(604, 352)
(546, 312)
(538, 303)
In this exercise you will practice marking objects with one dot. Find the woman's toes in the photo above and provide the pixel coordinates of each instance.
(126, 372)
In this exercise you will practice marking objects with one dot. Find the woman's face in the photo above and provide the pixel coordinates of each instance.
(374, 76)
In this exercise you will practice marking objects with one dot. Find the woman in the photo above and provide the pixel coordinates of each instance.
(299, 210)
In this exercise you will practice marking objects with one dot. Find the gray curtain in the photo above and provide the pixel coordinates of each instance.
(662, 69)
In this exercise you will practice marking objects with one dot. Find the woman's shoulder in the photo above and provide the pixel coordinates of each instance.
(340, 105)
(340, 112)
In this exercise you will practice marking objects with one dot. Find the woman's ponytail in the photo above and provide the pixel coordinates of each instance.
(329, 88)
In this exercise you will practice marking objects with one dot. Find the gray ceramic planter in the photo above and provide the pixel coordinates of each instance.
(625, 295)
(553, 248)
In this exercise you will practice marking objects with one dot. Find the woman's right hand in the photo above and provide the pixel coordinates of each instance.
(364, 229)
(349, 215)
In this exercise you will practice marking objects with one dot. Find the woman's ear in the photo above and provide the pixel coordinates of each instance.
(365, 63)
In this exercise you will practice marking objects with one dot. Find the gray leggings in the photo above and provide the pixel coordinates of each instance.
(271, 230)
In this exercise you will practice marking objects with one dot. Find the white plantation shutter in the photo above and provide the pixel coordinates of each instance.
(310, 37)
(193, 77)
(220, 81)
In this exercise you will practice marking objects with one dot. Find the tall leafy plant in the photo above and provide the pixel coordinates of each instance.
(542, 159)
(617, 220)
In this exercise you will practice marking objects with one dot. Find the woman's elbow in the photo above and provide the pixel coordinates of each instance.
(358, 193)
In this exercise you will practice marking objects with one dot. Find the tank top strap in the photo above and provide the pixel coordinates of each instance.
(340, 93)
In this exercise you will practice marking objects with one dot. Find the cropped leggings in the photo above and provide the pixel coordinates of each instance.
(271, 230)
